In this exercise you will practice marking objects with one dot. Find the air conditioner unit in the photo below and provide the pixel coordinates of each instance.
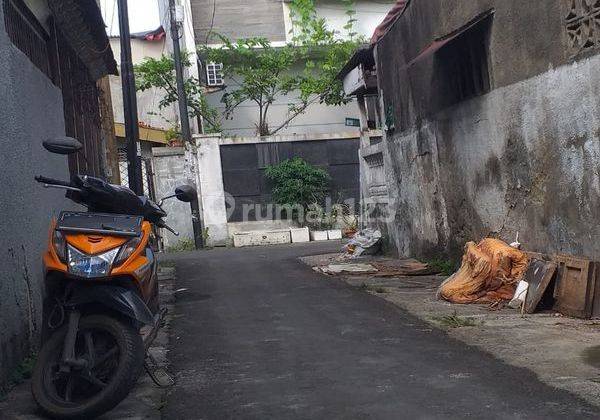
(214, 74)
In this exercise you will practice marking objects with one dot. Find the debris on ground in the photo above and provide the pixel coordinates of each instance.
(381, 267)
(346, 269)
(364, 242)
(518, 299)
(492, 273)
(539, 277)
(496, 273)
(402, 267)
(576, 287)
(489, 273)
(455, 321)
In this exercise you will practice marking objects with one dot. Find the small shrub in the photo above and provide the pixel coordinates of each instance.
(167, 264)
(373, 288)
(182, 246)
(455, 321)
(24, 370)
(444, 267)
(297, 183)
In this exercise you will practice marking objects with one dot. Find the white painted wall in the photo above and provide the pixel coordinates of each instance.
(369, 15)
(148, 100)
(318, 118)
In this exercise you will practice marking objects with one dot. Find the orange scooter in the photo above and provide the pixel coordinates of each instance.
(101, 289)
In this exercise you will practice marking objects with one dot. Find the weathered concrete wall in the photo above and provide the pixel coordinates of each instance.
(31, 111)
(169, 164)
(527, 38)
(238, 19)
(374, 182)
(523, 158)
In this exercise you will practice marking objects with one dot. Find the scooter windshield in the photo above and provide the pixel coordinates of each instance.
(100, 196)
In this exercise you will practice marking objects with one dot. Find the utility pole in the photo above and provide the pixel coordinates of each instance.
(132, 130)
(183, 116)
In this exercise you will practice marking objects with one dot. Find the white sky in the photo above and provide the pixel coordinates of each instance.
(143, 15)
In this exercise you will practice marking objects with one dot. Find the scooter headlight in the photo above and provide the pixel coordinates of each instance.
(59, 243)
(127, 250)
(89, 266)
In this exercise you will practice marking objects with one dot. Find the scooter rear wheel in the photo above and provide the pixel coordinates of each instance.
(114, 353)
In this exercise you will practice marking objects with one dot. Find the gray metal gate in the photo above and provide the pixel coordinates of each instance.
(244, 165)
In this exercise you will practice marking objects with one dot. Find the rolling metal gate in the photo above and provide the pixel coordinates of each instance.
(244, 165)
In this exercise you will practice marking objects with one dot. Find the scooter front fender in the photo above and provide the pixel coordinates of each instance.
(120, 299)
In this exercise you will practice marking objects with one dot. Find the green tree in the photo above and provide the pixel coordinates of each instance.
(262, 72)
(307, 65)
(160, 73)
(297, 183)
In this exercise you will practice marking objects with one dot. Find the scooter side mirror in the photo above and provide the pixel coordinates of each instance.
(186, 193)
(62, 145)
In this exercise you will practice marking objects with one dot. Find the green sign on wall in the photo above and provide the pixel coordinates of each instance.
(352, 122)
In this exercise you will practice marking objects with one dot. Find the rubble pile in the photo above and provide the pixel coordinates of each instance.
(494, 272)
(364, 242)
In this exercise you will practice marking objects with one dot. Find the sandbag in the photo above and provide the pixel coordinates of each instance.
(490, 272)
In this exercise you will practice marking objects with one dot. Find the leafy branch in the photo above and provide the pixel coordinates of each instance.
(308, 65)
(159, 73)
(305, 68)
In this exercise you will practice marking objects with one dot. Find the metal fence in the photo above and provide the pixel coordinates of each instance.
(147, 174)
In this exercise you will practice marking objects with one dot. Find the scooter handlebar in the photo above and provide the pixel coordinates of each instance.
(169, 228)
(43, 180)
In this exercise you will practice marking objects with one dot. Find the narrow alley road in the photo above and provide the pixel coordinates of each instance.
(258, 335)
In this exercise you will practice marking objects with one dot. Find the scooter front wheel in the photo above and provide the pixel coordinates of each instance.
(114, 356)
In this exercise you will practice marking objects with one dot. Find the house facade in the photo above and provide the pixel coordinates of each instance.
(490, 125)
(53, 55)
(271, 19)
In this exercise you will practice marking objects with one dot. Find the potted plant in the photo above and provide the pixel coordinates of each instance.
(173, 137)
(347, 219)
(297, 186)
(319, 222)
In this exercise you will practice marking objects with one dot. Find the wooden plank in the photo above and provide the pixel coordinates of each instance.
(575, 286)
(539, 274)
(538, 256)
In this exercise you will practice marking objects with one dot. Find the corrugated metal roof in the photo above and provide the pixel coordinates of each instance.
(363, 55)
(82, 25)
(389, 20)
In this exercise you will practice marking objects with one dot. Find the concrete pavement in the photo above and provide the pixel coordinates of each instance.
(257, 335)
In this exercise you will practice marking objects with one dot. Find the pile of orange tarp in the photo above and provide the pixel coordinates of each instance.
(489, 273)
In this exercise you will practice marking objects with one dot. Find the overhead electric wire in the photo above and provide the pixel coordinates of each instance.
(212, 22)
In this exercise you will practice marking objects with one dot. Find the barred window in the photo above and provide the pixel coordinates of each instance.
(27, 34)
(462, 65)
